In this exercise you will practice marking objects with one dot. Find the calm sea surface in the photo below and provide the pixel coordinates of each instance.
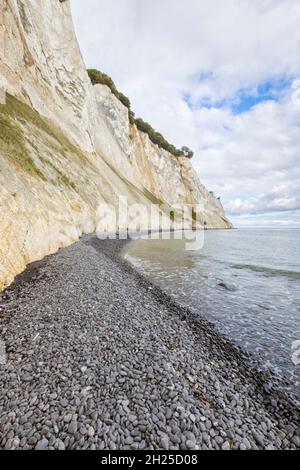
(247, 282)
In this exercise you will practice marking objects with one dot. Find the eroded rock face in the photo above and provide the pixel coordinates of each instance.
(171, 179)
(40, 62)
(57, 166)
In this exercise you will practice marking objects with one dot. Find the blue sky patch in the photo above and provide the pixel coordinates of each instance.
(270, 90)
(245, 99)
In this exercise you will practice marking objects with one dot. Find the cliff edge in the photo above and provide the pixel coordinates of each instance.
(67, 146)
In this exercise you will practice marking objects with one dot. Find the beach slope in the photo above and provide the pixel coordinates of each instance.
(98, 358)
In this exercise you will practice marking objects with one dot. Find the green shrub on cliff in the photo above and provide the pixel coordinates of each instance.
(98, 77)
(131, 117)
(124, 100)
(156, 137)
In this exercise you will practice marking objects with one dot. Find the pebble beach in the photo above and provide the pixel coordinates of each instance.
(99, 358)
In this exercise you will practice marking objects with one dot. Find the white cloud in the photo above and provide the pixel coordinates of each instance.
(277, 200)
(287, 219)
(159, 52)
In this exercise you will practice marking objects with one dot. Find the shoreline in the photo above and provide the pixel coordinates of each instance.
(278, 382)
(270, 381)
(203, 395)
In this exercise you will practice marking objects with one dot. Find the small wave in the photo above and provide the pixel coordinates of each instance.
(268, 271)
(228, 286)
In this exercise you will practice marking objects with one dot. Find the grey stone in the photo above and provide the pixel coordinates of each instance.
(73, 426)
(42, 445)
(226, 446)
(165, 443)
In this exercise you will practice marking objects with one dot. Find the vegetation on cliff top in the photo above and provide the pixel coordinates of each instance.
(98, 77)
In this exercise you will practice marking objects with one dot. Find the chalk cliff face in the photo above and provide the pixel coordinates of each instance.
(66, 146)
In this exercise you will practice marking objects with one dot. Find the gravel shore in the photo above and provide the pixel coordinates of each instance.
(98, 358)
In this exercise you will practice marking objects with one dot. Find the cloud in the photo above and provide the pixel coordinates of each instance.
(287, 219)
(222, 79)
(277, 200)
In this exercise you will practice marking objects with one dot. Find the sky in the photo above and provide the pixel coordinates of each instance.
(222, 77)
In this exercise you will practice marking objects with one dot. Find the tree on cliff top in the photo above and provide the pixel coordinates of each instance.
(187, 152)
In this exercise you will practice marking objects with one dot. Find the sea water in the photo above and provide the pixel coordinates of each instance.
(247, 282)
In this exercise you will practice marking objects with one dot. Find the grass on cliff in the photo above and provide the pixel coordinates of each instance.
(13, 145)
(155, 200)
(13, 142)
(138, 192)
(62, 178)
(165, 207)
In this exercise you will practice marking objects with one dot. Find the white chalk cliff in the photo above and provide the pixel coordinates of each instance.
(67, 146)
